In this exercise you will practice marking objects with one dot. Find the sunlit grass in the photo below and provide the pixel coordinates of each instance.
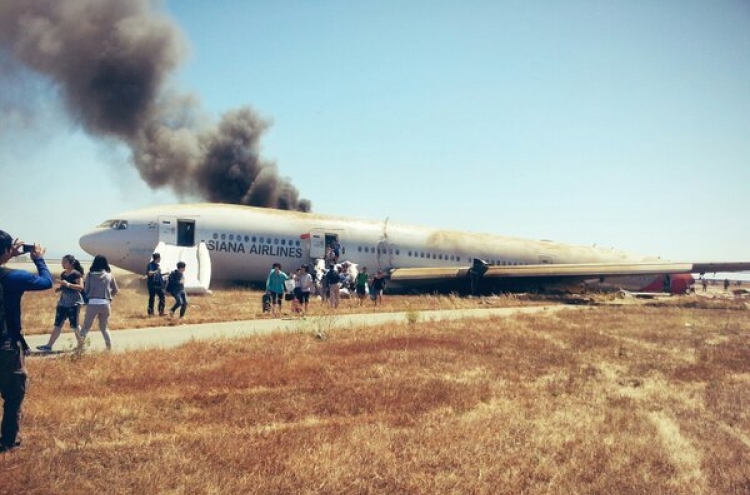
(619, 400)
(235, 304)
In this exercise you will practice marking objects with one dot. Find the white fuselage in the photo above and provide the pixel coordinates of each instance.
(245, 241)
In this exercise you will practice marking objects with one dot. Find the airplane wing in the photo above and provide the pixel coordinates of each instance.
(558, 272)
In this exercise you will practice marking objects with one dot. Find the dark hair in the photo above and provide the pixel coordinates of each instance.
(276, 265)
(157, 256)
(100, 264)
(6, 241)
(181, 264)
(73, 261)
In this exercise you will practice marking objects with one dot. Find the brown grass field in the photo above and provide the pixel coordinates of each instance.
(611, 399)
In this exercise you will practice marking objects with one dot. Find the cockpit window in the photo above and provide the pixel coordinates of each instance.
(114, 224)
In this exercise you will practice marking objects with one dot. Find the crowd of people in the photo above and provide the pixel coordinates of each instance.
(95, 290)
(330, 282)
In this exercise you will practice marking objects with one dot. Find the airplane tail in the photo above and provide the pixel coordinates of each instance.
(197, 264)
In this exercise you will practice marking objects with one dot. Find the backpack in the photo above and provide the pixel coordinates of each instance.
(3, 324)
(173, 282)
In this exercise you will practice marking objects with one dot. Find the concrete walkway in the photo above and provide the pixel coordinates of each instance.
(175, 335)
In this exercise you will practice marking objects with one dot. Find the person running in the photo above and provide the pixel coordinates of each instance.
(176, 287)
(69, 304)
(100, 287)
(275, 287)
(360, 285)
(155, 282)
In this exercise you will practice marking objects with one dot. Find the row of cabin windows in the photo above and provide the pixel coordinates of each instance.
(434, 256)
(415, 254)
(254, 239)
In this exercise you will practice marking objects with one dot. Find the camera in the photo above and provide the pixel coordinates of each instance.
(28, 248)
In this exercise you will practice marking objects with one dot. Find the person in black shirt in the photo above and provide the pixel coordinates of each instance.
(155, 282)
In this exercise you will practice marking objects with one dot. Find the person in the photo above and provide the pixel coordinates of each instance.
(336, 246)
(100, 287)
(360, 284)
(334, 285)
(704, 283)
(306, 286)
(726, 284)
(297, 292)
(69, 304)
(155, 282)
(275, 287)
(330, 256)
(13, 284)
(176, 287)
(378, 286)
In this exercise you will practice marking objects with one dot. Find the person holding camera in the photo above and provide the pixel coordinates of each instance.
(69, 305)
(13, 284)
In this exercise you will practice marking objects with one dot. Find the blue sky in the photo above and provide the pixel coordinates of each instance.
(623, 124)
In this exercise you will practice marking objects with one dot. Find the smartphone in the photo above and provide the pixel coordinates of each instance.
(28, 248)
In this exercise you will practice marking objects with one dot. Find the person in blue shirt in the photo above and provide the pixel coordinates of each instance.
(12, 344)
(275, 287)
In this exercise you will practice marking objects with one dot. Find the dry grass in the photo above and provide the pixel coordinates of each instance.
(234, 304)
(620, 400)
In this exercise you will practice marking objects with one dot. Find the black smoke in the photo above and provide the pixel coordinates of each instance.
(111, 61)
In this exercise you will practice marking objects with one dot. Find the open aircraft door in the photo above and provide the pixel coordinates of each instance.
(317, 243)
(177, 231)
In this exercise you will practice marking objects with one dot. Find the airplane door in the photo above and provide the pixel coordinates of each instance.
(168, 230)
(186, 233)
(317, 243)
(177, 231)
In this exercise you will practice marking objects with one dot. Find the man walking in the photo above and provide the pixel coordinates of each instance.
(176, 287)
(155, 282)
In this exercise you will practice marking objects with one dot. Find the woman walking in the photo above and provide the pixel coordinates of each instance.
(100, 286)
(69, 304)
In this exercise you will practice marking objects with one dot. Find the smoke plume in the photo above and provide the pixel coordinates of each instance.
(111, 60)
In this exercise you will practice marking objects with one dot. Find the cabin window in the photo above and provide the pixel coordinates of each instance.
(215, 236)
(398, 253)
(283, 242)
(231, 237)
(247, 238)
(298, 243)
(223, 236)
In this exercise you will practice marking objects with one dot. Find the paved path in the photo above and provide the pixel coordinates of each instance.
(174, 335)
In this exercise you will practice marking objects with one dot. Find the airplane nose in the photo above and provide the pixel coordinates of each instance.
(92, 243)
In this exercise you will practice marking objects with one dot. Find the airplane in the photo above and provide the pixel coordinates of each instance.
(226, 242)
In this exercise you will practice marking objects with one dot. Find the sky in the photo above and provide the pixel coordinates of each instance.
(621, 124)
